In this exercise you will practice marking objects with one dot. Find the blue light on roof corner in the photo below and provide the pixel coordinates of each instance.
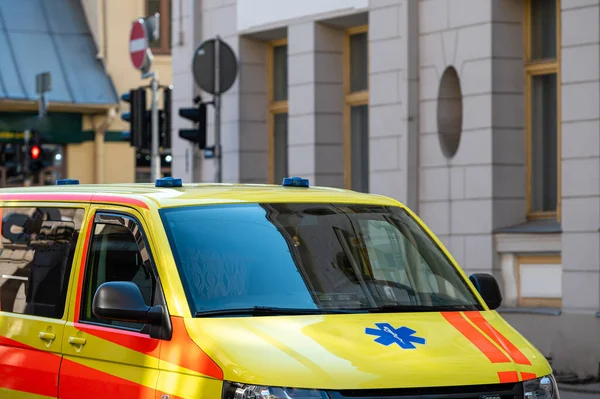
(168, 182)
(65, 182)
(295, 182)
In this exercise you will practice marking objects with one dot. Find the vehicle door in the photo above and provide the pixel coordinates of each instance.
(108, 357)
(38, 245)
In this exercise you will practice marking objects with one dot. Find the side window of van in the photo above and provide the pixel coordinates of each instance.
(37, 247)
(117, 252)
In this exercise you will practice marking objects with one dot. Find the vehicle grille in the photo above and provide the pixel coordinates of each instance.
(495, 391)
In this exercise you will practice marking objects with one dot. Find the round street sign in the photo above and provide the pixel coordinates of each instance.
(203, 66)
(138, 44)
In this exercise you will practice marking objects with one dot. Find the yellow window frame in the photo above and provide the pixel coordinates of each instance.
(536, 68)
(351, 99)
(275, 107)
(536, 302)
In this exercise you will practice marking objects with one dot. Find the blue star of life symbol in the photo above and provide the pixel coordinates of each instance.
(386, 335)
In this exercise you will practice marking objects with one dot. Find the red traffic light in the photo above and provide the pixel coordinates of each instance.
(35, 152)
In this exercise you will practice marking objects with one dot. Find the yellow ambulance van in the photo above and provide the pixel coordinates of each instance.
(227, 291)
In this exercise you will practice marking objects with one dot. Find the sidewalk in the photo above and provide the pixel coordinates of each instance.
(583, 391)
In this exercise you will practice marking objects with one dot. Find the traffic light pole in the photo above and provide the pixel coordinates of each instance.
(154, 144)
(155, 160)
(26, 180)
(217, 100)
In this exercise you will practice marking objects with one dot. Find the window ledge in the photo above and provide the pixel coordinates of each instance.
(534, 236)
(539, 226)
(538, 311)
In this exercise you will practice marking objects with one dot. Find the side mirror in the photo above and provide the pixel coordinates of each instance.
(123, 301)
(488, 288)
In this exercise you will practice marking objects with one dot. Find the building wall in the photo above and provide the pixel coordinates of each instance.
(80, 165)
(580, 186)
(110, 23)
(433, 65)
(188, 22)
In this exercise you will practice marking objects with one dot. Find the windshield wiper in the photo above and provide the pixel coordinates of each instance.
(272, 311)
(419, 308)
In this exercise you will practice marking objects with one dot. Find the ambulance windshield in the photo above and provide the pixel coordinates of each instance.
(304, 257)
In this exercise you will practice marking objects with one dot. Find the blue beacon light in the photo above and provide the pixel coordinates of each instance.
(295, 182)
(168, 182)
(65, 182)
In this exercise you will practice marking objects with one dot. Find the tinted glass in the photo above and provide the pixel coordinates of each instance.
(310, 256)
(543, 29)
(359, 147)
(544, 143)
(280, 70)
(115, 255)
(280, 146)
(359, 62)
(36, 256)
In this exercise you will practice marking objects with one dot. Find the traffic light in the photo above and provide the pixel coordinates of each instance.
(136, 116)
(198, 116)
(165, 119)
(35, 152)
(36, 163)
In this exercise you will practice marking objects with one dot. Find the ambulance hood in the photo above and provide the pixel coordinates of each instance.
(367, 351)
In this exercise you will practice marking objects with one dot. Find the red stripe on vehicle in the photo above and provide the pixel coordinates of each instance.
(77, 381)
(508, 376)
(73, 197)
(28, 370)
(482, 343)
(181, 350)
(135, 341)
(4, 341)
(518, 356)
(184, 352)
(528, 376)
(119, 200)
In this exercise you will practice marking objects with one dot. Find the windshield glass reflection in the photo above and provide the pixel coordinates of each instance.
(322, 257)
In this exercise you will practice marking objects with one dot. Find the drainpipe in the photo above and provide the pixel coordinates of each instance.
(105, 32)
(413, 104)
(180, 22)
(99, 142)
(99, 145)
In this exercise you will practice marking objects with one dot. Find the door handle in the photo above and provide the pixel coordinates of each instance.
(77, 341)
(46, 336)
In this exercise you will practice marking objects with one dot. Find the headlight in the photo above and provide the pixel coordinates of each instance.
(541, 388)
(241, 391)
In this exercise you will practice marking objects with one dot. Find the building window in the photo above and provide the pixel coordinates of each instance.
(162, 7)
(542, 70)
(356, 113)
(539, 281)
(278, 110)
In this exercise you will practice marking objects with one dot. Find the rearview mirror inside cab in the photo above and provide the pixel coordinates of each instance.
(123, 301)
(488, 288)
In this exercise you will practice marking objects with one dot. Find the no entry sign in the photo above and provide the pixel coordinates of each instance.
(138, 44)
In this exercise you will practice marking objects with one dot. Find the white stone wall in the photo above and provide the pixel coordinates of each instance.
(581, 154)
(185, 22)
(389, 99)
(456, 195)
